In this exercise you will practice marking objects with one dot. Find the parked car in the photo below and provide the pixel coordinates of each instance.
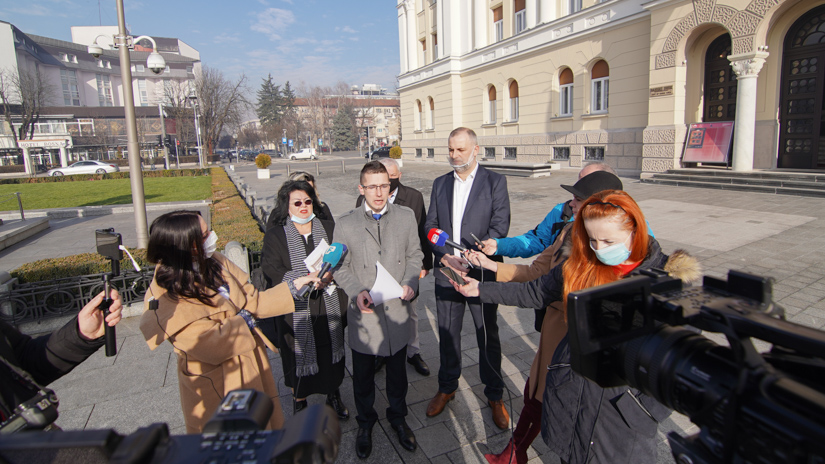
(84, 167)
(382, 152)
(324, 149)
(305, 153)
(271, 153)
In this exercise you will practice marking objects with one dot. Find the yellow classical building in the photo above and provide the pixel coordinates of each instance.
(620, 80)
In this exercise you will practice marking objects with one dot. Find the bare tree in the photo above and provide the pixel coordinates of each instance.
(249, 137)
(221, 103)
(28, 92)
(179, 108)
(363, 114)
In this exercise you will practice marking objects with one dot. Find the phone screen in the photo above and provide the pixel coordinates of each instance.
(453, 275)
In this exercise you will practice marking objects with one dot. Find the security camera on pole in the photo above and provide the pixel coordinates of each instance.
(124, 43)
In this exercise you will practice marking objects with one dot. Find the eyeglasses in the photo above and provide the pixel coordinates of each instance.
(306, 202)
(379, 186)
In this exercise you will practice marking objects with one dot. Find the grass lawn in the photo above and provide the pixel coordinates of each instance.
(103, 192)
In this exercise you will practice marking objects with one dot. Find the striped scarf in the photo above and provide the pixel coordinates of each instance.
(306, 361)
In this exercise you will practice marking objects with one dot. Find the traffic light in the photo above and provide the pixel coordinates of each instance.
(168, 141)
(160, 141)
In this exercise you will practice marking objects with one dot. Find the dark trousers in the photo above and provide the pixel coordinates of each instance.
(450, 306)
(363, 386)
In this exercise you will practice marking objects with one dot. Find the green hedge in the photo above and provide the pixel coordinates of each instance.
(231, 220)
(76, 265)
(111, 175)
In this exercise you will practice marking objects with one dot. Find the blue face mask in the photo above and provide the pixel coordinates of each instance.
(298, 220)
(614, 254)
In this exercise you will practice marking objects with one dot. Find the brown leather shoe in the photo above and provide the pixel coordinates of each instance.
(438, 402)
(500, 415)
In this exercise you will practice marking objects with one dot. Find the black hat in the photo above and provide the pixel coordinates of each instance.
(594, 183)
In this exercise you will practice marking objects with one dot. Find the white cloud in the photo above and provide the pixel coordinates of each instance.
(224, 38)
(346, 29)
(272, 22)
(34, 10)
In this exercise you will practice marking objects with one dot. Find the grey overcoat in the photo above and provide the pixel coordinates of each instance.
(392, 240)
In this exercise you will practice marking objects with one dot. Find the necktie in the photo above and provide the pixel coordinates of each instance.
(376, 216)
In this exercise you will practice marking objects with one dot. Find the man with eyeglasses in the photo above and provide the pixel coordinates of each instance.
(403, 195)
(469, 200)
(379, 232)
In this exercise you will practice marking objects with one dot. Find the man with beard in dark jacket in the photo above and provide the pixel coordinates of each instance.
(28, 364)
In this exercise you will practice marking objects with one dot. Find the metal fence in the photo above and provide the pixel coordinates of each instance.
(37, 301)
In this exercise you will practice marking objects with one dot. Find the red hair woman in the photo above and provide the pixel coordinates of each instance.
(581, 421)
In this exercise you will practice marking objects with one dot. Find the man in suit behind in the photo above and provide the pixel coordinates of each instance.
(402, 195)
(468, 200)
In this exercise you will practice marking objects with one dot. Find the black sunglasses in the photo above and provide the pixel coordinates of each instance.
(306, 202)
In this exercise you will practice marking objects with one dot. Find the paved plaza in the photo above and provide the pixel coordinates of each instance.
(773, 235)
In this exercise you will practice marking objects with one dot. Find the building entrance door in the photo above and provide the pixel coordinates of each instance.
(720, 82)
(802, 114)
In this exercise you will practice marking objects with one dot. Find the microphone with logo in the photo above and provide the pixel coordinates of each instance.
(440, 238)
(331, 258)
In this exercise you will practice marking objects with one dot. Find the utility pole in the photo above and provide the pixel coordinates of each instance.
(163, 134)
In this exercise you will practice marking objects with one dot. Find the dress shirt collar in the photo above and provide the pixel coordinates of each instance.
(469, 178)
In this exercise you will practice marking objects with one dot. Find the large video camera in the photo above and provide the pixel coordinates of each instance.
(234, 434)
(750, 407)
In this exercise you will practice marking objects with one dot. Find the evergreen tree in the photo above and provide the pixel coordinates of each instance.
(270, 102)
(342, 133)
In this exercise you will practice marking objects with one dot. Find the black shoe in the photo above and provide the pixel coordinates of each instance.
(420, 366)
(298, 406)
(363, 442)
(405, 436)
(379, 363)
(334, 401)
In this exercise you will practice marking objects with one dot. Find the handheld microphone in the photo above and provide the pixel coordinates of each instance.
(440, 238)
(331, 258)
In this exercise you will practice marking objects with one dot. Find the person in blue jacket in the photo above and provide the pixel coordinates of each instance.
(544, 234)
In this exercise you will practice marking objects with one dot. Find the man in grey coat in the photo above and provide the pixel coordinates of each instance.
(379, 232)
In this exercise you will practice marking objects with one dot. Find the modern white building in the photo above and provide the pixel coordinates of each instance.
(79, 123)
(617, 80)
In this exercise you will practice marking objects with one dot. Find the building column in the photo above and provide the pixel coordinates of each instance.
(402, 36)
(548, 11)
(27, 161)
(747, 67)
(439, 30)
(480, 24)
(64, 158)
(530, 6)
(412, 36)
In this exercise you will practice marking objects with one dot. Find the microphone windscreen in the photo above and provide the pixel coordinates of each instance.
(334, 253)
(438, 237)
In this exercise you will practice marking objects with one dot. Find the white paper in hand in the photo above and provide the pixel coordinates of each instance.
(316, 259)
(385, 287)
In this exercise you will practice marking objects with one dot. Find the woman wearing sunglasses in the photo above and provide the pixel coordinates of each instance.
(311, 340)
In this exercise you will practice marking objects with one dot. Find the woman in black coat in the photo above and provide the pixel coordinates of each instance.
(582, 422)
(311, 340)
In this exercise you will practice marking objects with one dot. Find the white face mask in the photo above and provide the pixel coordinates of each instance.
(210, 245)
(298, 220)
(463, 167)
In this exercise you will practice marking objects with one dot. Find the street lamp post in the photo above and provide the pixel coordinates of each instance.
(124, 42)
(194, 98)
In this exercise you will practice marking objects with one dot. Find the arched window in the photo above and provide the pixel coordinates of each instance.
(599, 81)
(513, 101)
(430, 115)
(566, 92)
(492, 111)
(419, 119)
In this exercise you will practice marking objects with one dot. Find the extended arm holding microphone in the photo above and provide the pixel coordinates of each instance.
(331, 259)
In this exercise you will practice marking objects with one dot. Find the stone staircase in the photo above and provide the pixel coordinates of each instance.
(776, 181)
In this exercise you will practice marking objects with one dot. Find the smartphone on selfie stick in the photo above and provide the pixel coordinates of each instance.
(108, 245)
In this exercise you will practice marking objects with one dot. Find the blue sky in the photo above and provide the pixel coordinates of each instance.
(319, 42)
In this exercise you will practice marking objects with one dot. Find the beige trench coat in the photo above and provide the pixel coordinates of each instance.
(216, 351)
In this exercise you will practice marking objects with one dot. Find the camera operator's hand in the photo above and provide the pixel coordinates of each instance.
(90, 319)
(477, 258)
(470, 289)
